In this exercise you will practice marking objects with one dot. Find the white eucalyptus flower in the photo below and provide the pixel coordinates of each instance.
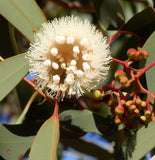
(68, 55)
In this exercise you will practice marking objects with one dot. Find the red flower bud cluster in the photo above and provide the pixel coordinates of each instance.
(137, 55)
(129, 108)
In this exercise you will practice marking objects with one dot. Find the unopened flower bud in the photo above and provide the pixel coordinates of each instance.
(132, 107)
(131, 53)
(143, 104)
(110, 102)
(139, 56)
(123, 80)
(117, 120)
(147, 113)
(128, 103)
(97, 94)
(119, 74)
(138, 101)
(126, 85)
(136, 112)
(119, 110)
(143, 118)
(145, 54)
(123, 101)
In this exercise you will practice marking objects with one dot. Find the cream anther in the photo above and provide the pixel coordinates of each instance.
(70, 40)
(47, 63)
(60, 39)
(55, 65)
(54, 51)
(63, 65)
(86, 66)
(69, 81)
(86, 57)
(84, 42)
(56, 79)
(79, 73)
(76, 49)
(73, 62)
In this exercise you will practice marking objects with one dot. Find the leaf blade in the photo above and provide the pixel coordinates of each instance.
(150, 74)
(30, 16)
(17, 145)
(83, 119)
(43, 146)
(145, 141)
(12, 70)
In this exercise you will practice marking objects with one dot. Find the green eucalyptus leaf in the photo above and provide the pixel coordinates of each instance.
(141, 143)
(150, 74)
(12, 70)
(142, 24)
(88, 148)
(46, 141)
(83, 119)
(110, 13)
(25, 15)
(13, 146)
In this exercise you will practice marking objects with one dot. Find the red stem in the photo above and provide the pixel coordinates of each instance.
(142, 71)
(37, 89)
(126, 32)
(55, 114)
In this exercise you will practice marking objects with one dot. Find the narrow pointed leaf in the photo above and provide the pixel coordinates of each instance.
(150, 74)
(83, 119)
(25, 15)
(13, 146)
(46, 141)
(12, 70)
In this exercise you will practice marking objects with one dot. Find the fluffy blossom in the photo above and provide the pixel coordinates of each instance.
(68, 55)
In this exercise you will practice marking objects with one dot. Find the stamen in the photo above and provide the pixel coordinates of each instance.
(86, 57)
(69, 81)
(55, 65)
(63, 65)
(71, 76)
(56, 79)
(47, 62)
(54, 51)
(80, 73)
(70, 40)
(60, 39)
(73, 62)
(86, 66)
(84, 42)
(76, 49)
